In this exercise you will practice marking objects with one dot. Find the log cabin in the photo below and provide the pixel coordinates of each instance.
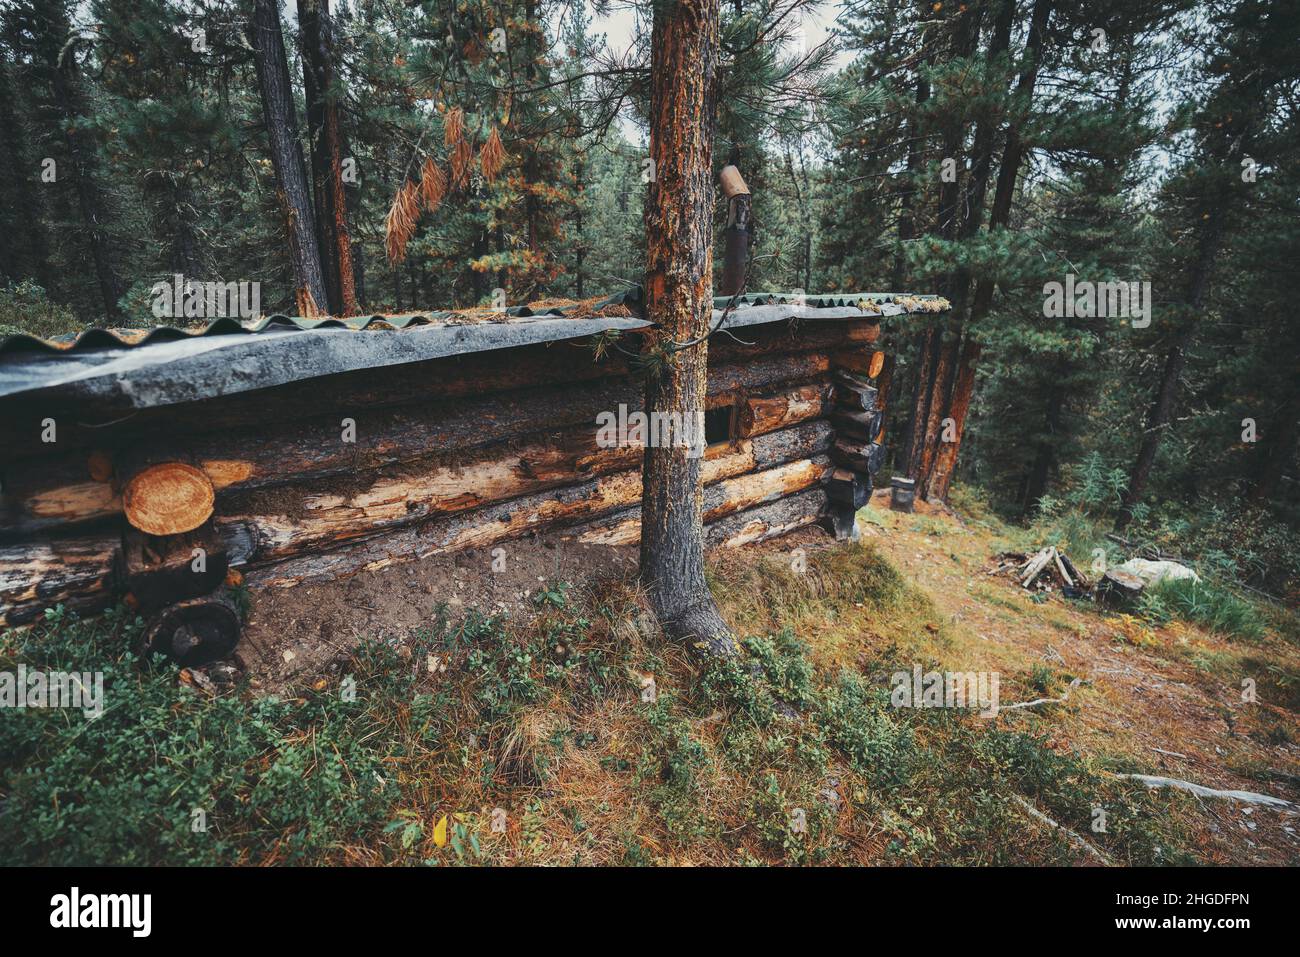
(158, 466)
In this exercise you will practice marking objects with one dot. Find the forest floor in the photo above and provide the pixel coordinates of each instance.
(1168, 698)
(431, 714)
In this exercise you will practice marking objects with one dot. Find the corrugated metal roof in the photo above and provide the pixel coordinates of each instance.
(137, 369)
(224, 326)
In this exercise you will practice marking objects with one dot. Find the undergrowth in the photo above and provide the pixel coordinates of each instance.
(583, 732)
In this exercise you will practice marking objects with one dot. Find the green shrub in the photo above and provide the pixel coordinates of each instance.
(123, 788)
(1202, 603)
(25, 308)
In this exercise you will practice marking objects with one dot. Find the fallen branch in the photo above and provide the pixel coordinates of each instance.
(1037, 701)
(1250, 797)
(1074, 837)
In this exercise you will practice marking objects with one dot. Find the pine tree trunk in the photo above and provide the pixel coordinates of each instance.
(963, 388)
(1044, 464)
(332, 234)
(937, 478)
(907, 199)
(1162, 409)
(67, 98)
(281, 120)
(679, 295)
(32, 256)
(927, 361)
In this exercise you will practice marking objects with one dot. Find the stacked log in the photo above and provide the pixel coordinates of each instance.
(736, 477)
(858, 450)
(42, 495)
(248, 481)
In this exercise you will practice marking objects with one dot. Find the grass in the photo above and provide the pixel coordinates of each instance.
(1203, 603)
(793, 757)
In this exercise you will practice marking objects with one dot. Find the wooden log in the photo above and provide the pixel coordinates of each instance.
(863, 332)
(520, 483)
(159, 571)
(798, 442)
(767, 521)
(747, 491)
(196, 631)
(167, 498)
(607, 504)
(857, 424)
(39, 496)
(76, 572)
(43, 494)
(842, 522)
(763, 414)
(857, 456)
(1119, 588)
(853, 393)
(877, 364)
(720, 500)
(82, 572)
(848, 488)
(751, 365)
(857, 360)
(261, 539)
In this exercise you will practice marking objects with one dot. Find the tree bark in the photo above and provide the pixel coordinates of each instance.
(938, 477)
(332, 234)
(67, 97)
(679, 299)
(281, 120)
(1162, 408)
(32, 256)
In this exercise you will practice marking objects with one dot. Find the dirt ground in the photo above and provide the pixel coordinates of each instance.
(1165, 699)
(305, 630)
(1170, 698)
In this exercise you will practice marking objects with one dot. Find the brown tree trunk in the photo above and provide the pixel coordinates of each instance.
(679, 299)
(963, 387)
(281, 120)
(332, 234)
(927, 361)
(1044, 464)
(30, 258)
(1162, 409)
(938, 477)
(67, 98)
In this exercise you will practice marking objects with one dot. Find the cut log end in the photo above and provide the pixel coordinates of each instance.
(194, 632)
(168, 499)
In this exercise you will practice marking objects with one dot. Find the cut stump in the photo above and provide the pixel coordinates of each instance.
(168, 499)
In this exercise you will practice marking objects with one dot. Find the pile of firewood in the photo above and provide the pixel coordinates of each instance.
(1048, 569)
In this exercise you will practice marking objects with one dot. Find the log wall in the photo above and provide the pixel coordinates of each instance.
(324, 478)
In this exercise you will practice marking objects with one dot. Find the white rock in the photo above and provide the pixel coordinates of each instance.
(1152, 573)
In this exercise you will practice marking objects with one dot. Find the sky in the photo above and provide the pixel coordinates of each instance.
(618, 23)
